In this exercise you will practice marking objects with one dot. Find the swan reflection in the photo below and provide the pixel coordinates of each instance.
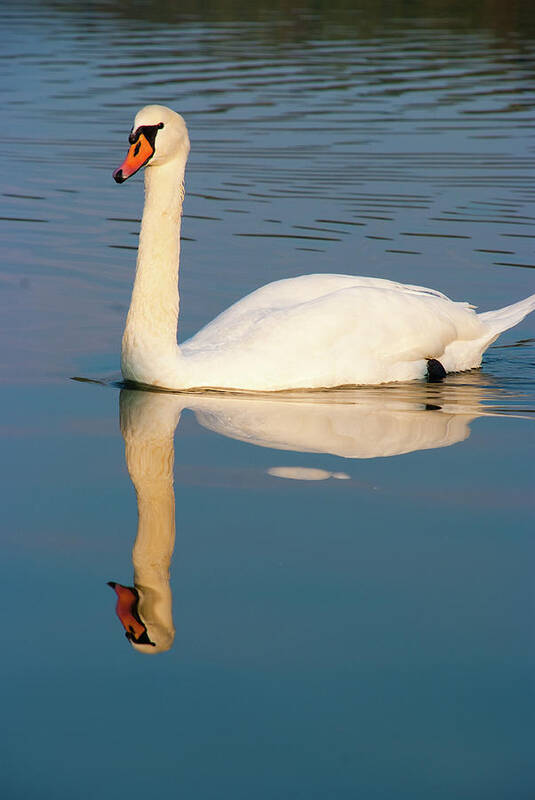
(360, 423)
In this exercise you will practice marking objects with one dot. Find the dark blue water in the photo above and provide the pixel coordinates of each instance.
(350, 604)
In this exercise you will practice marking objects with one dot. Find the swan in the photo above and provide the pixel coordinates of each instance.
(313, 331)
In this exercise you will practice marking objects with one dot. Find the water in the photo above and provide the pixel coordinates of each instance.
(350, 607)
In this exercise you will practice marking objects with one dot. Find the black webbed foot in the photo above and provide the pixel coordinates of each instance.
(435, 371)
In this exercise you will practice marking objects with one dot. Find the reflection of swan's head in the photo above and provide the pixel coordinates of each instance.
(158, 135)
(137, 609)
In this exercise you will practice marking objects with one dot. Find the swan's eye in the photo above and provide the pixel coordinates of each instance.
(148, 131)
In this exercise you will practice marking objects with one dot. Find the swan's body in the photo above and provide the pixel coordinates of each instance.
(315, 331)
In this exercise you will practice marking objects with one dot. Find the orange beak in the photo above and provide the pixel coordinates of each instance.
(137, 156)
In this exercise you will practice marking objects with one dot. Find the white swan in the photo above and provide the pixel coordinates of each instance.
(307, 332)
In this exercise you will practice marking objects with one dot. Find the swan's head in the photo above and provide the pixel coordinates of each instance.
(158, 135)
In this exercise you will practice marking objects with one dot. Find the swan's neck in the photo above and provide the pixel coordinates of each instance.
(149, 339)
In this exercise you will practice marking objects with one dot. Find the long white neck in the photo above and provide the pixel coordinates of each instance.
(149, 339)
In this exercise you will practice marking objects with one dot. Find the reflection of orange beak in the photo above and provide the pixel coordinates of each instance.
(126, 609)
(137, 156)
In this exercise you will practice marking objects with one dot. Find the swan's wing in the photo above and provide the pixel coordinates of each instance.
(329, 329)
(287, 293)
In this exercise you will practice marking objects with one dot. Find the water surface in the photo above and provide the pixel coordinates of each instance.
(350, 603)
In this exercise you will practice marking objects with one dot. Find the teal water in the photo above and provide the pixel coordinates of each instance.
(350, 605)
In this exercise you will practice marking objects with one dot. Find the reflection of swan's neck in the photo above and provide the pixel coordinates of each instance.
(151, 326)
(151, 470)
(148, 423)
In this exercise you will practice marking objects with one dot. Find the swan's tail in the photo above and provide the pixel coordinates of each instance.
(461, 354)
(502, 319)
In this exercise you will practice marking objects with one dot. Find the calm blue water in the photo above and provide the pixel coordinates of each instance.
(350, 605)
